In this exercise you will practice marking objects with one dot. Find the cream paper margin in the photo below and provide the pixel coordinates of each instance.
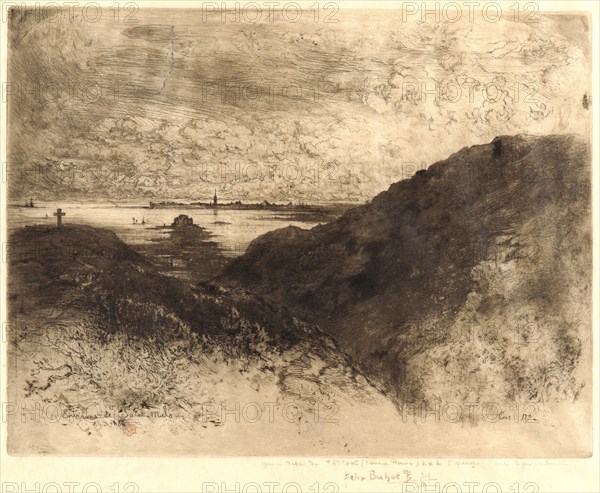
(251, 474)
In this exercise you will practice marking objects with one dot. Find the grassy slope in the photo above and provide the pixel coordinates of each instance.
(95, 325)
(472, 280)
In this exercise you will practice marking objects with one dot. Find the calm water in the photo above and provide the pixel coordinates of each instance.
(233, 230)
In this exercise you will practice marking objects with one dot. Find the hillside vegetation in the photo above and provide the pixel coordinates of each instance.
(469, 282)
(97, 330)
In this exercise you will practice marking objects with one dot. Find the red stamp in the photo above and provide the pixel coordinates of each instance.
(129, 429)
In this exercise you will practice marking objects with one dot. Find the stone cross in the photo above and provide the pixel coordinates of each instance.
(59, 214)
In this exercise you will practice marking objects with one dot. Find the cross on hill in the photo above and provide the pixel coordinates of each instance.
(59, 214)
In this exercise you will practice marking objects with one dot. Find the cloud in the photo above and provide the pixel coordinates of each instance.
(340, 108)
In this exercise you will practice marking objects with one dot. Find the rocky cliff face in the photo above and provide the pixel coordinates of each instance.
(473, 278)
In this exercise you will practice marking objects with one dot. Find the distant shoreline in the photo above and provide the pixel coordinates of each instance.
(326, 207)
(241, 206)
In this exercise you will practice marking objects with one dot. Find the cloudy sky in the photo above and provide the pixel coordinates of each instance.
(179, 104)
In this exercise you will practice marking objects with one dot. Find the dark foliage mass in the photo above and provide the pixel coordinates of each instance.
(445, 270)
